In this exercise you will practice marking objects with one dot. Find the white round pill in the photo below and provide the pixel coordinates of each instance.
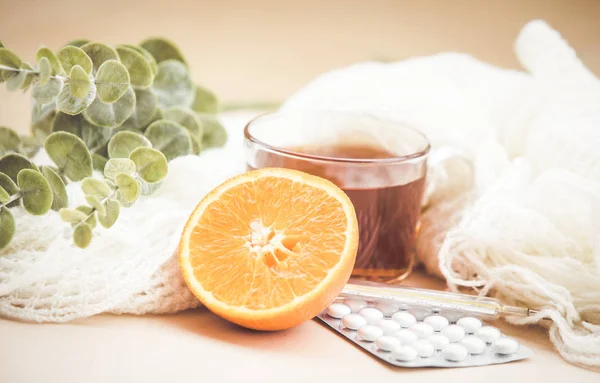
(404, 319)
(353, 321)
(355, 304)
(388, 326)
(338, 310)
(455, 352)
(369, 332)
(404, 353)
(438, 322)
(424, 348)
(371, 314)
(488, 334)
(473, 344)
(388, 309)
(406, 336)
(438, 341)
(470, 324)
(505, 346)
(387, 343)
(454, 333)
(423, 330)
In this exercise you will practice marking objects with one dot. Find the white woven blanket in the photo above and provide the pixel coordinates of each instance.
(128, 268)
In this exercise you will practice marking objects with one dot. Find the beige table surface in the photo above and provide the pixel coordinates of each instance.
(196, 344)
(265, 50)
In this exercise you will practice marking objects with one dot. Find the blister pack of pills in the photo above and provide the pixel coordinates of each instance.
(416, 336)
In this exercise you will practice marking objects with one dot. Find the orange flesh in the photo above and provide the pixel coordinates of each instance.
(229, 247)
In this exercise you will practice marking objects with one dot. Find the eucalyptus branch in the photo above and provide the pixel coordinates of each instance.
(30, 71)
(122, 111)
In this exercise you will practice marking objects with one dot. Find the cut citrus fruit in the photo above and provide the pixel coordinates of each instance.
(270, 248)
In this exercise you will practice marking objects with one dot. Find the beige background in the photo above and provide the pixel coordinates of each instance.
(265, 50)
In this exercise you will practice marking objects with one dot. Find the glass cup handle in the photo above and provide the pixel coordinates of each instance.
(440, 180)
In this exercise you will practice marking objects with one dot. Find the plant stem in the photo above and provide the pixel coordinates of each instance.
(94, 209)
(12, 199)
(3, 67)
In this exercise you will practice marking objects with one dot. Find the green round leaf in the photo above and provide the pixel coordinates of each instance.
(158, 115)
(40, 129)
(146, 54)
(9, 59)
(10, 187)
(11, 164)
(89, 212)
(115, 166)
(111, 115)
(173, 84)
(78, 42)
(71, 215)
(205, 101)
(79, 82)
(98, 161)
(4, 196)
(15, 80)
(170, 138)
(99, 53)
(122, 143)
(215, 135)
(69, 56)
(147, 188)
(112, 213)
(9, 140)
(150, 164)
(59, 192)
(29, 146)
(69, 103)
(57, 69)
(45, 69)
(111, 182)
(82, 235)
(70, 154)
(29, 77)
(139, 68)
(112, 81)
(186, 118)
(36, 192)
(45, 94)
(94, 137)
(39, 110)
(162, 49)
(96, 204)
(128, 187)
(7, 227)
(144, 111)
(95, 188)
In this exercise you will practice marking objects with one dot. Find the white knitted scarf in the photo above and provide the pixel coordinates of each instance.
(517, 216)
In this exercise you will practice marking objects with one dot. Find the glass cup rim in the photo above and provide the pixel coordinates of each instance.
(392, 160)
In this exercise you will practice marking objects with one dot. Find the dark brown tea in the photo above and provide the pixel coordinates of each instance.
(387, 204)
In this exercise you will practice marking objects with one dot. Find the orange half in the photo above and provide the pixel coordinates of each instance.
(270, 248)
